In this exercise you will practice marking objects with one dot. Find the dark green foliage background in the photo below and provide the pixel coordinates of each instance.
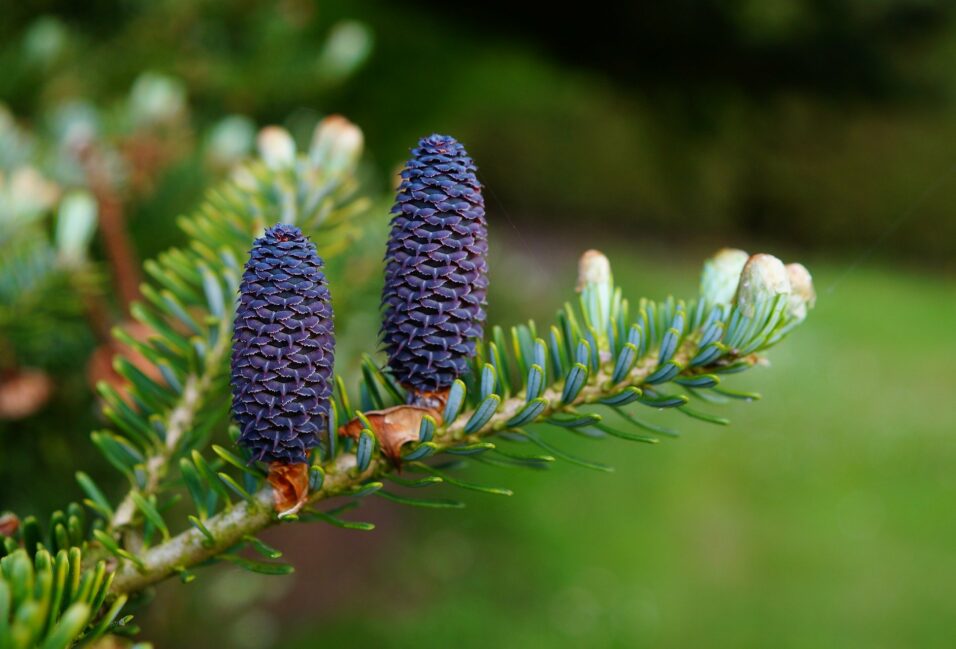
(820, 122)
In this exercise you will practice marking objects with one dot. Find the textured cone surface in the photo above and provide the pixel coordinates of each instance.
(436, 271)
(283, 348)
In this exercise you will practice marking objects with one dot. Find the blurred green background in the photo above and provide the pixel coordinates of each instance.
(820, 131)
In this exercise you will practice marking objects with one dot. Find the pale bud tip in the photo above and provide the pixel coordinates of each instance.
(28, 191)
(276, 147)
(157, 99)
(230, 140)
(763, 278)
(802, 297)
(337, 143)
(75, 226)
(721, 275)
(593, 268)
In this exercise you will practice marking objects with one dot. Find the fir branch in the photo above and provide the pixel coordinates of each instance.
(181, 419)
(596, 354)
(342, 476)
(47, 600)
(671, 342)
(188, 313)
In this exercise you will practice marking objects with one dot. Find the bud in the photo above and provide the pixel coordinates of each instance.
(283, 348)
(596, 286)
(336, 145)
(45, 40)
(28, 193)
(593, 268)
(230, 140)
(76, 126)
(276, 147)
(157, 99)
(435, 267)
(802, 296)
(75, 225)
(763, 278)
(721, 274)
(346, 49)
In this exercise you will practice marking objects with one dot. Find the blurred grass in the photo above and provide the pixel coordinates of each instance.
(822, 517)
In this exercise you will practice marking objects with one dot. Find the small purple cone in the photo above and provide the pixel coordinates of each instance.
(436, 271)
(283, 348)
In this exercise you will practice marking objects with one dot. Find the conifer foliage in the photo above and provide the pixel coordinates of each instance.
(591, 371)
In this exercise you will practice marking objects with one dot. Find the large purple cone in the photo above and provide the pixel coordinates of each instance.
(283, 348)
(436, 271)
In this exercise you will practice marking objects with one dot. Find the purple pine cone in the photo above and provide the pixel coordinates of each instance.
(436, 271)
(283, 348)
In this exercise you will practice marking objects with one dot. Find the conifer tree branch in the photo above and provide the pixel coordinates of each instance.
(319, 190)
(181, 419)
(228, 528)
(448, 386)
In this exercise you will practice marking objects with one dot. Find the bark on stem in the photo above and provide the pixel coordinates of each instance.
(179, 421)
(248, 518)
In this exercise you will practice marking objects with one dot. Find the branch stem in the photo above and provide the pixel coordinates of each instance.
(179, 421)
(341, 475)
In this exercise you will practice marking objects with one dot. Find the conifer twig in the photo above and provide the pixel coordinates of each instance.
(192, 547)
(180, 421)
